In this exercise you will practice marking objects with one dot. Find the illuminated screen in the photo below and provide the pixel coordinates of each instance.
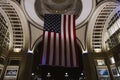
(102, 72)
(114, 71)
(11, 73)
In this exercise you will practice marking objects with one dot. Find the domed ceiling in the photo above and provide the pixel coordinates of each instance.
(36, 9)
(58, 7)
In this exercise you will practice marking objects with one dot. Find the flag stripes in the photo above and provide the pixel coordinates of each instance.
(59, 44)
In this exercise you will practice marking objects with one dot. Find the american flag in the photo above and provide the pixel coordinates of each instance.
(59, 41)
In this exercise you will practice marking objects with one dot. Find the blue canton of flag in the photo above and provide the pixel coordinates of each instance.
(52, 23)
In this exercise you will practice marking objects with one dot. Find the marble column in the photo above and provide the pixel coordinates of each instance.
(27, 67)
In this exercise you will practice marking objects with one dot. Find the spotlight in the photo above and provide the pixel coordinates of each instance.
(66, 74)
(81, 73)
(48, 75)
(33, 74)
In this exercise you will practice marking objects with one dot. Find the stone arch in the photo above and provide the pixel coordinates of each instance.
(96, 26)
(18, 25)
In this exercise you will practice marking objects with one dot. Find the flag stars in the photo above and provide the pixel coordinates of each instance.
(53, 23)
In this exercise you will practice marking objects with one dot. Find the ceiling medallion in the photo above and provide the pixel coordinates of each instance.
(58, 7)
